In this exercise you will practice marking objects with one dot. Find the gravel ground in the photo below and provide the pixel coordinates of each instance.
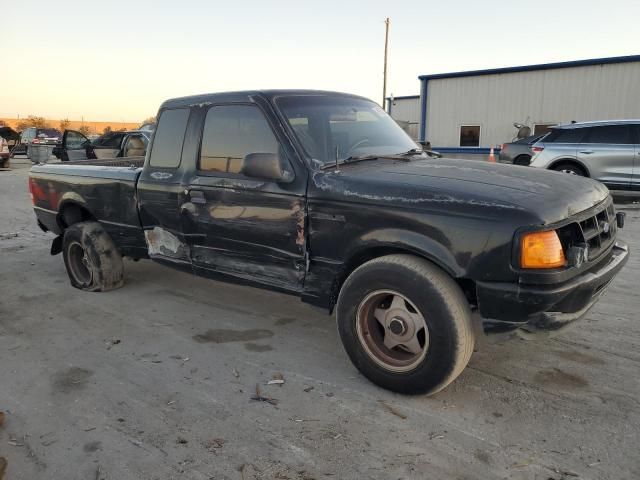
(153, 381)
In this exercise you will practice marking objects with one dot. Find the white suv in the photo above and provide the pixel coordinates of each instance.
(608, 151)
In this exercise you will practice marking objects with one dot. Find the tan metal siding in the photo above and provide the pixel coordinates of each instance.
(599, 92)
(407, 110)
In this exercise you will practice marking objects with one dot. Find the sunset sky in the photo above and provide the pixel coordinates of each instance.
(118, 60)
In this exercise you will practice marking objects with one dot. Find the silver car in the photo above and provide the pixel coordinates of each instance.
(608, 151)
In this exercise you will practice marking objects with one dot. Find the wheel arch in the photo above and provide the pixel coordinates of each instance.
(521, 157)
(571, 161)
(392, 241)
(73, 210)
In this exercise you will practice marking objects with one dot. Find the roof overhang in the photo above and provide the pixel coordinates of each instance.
(532, 68)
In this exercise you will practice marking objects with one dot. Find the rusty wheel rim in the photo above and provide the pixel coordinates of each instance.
(392, 331)
(79, 264)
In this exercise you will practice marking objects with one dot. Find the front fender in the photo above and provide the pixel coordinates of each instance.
(394, 239)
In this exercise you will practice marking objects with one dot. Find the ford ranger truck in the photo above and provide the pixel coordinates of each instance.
(322, 195)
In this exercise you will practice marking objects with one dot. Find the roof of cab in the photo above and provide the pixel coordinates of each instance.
(244, 96)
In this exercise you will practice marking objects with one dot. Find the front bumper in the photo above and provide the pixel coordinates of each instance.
(506, 307)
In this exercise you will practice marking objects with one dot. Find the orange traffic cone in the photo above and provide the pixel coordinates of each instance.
(492, 157)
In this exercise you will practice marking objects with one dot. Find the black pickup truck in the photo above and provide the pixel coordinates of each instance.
(321, 195)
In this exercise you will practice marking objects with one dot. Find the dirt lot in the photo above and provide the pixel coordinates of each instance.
(153, 381)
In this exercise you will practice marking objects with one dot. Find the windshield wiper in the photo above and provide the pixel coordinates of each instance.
(361, 158)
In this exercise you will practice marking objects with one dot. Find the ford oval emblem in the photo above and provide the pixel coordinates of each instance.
(605, 227)
(161, 175)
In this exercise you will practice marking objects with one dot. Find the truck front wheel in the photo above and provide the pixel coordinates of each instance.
(405, 324)
(92, 260)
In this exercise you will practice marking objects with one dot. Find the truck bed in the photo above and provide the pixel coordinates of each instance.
(102, 190)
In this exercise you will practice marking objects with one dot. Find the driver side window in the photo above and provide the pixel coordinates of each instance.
(75, 140)
(231, 132)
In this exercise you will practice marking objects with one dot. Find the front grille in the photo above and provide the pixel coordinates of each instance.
(599, 230)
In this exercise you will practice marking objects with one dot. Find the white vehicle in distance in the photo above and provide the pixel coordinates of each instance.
(607, 151)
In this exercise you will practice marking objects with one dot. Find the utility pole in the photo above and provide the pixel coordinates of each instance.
(386, 47)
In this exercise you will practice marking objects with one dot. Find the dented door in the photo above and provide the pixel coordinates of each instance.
(251, 229)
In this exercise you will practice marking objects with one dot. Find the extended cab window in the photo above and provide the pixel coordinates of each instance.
(230, 133)
(167, 144)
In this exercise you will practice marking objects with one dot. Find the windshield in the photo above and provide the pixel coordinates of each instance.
(346, 126)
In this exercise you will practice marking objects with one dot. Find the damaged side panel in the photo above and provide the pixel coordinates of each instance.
(161, 242)
(248, 233)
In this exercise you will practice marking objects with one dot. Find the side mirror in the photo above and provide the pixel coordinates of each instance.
(269, 166)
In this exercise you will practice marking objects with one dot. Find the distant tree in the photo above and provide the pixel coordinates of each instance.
(84, 129)
(149, 120)
(32, 121)
(106, 130)
(64, 124)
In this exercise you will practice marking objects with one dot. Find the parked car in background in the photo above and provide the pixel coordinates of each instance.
(147, 127)
(76, 146)
(39, 136)
(9, 138)
(519, 151)
(4, 152)
(608, 151)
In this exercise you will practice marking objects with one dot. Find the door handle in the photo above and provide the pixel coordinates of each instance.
(196, 196)
(587, 152)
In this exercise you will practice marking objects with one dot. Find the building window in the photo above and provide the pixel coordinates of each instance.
(542, 128)
(470, 136)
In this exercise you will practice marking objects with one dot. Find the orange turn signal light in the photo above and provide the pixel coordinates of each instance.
(541, 250)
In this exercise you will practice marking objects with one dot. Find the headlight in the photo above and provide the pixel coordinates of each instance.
(541, 250)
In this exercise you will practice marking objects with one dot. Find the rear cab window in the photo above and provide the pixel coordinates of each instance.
(166, 150)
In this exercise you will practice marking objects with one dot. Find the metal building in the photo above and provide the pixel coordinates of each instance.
(406, 111)
(472, 111)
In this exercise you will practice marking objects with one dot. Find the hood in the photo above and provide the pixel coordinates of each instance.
(469, 185)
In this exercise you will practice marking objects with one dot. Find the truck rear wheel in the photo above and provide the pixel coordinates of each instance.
(92, 260)
(405, 324)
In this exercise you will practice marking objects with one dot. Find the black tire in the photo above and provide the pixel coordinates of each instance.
(428, 289)
(570, 168)
(523, 160)
(92, 260)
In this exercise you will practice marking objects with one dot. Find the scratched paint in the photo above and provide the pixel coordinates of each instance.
(321, 181)
(300, 215)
